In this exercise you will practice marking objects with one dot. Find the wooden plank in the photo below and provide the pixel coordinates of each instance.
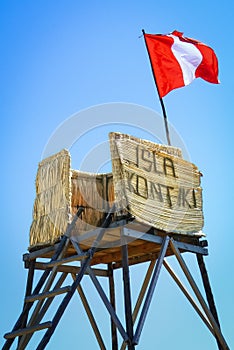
(199, 295)
(90, 315)
(141, 235)
(40, 252)
(114, 336)
(188, 296)
(23, 343)
(71, 269)
(158, 240)
(45, 295)
(49, 276)
(208, 291)
(28, 330)
(127, 294)
(66, 260)
(141, 295)
(151, 290)
(104, 298)
(137, 260)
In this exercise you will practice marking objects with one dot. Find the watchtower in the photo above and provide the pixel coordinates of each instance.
(148, 208)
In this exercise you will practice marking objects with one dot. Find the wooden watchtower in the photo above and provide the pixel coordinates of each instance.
(148, 208)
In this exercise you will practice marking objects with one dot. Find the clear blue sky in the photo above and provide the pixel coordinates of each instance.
(59, 57)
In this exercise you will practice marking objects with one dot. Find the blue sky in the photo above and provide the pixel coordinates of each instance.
(60, 57)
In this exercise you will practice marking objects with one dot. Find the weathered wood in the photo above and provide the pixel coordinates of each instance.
(48, 294)
(70, 269)
(104, 297)
(66, 260)
(40, 314)
(151, 290)
(188, 296)
(137, 260)
(141, 295)
(49, 273)
(114, 338)
(28, 330)
(208, 291)
(158, 240)
(28, 292)
(198, 295)
(40, 253)
(90, 315)
(127, 295)
(61, 248)
(77, 281)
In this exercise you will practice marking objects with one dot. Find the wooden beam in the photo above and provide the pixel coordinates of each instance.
(40, 252)
(104, 298)
(90, 315)
(158, 240)
(208, 291)
(114, 338)
(66, 260)
(198, 295)
(151, 290)
(127, 294)
(70, 269)
(141, 295)
(188, 296)
(41, 313)
(45, 295)
(28, 330)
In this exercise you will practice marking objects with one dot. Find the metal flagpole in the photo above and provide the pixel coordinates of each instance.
(160, 98)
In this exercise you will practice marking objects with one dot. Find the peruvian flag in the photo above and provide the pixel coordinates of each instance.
(176, 61)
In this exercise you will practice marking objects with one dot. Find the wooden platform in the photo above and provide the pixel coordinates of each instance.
(98, 253)
(144, 244)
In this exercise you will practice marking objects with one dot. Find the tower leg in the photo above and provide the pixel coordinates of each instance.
(28, 292)
(209, 294)
(112, 300)
(127, 294)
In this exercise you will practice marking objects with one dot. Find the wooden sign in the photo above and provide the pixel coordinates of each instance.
(156, 185)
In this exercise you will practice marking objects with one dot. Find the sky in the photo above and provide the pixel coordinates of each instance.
(62, 57)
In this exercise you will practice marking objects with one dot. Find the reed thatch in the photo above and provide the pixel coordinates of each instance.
(151, 182)
(52, 209)
(59, 192)
(156, 185)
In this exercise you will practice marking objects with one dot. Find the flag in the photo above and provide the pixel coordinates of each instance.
(176, 61)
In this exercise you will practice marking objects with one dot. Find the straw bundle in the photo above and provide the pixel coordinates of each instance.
(59, 193)
(156, 185)
(151, 182)
(52, 204)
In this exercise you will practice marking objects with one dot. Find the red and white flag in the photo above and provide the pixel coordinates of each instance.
(176, 61)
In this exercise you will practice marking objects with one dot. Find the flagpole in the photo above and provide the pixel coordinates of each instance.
(160, 98)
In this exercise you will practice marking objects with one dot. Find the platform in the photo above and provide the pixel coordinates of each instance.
(144, 244)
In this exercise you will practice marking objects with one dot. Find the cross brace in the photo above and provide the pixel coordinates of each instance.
(43, 294)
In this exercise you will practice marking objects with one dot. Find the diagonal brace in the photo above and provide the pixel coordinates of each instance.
(151, 290)
(199, 295)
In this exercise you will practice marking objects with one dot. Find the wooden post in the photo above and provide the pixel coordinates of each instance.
(127, 293)
(90, 315)
(151, 289)
(209, 294)
(198, 295)
(112, 300)
(28, 292)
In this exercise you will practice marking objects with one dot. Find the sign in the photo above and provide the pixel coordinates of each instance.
(156, 185)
